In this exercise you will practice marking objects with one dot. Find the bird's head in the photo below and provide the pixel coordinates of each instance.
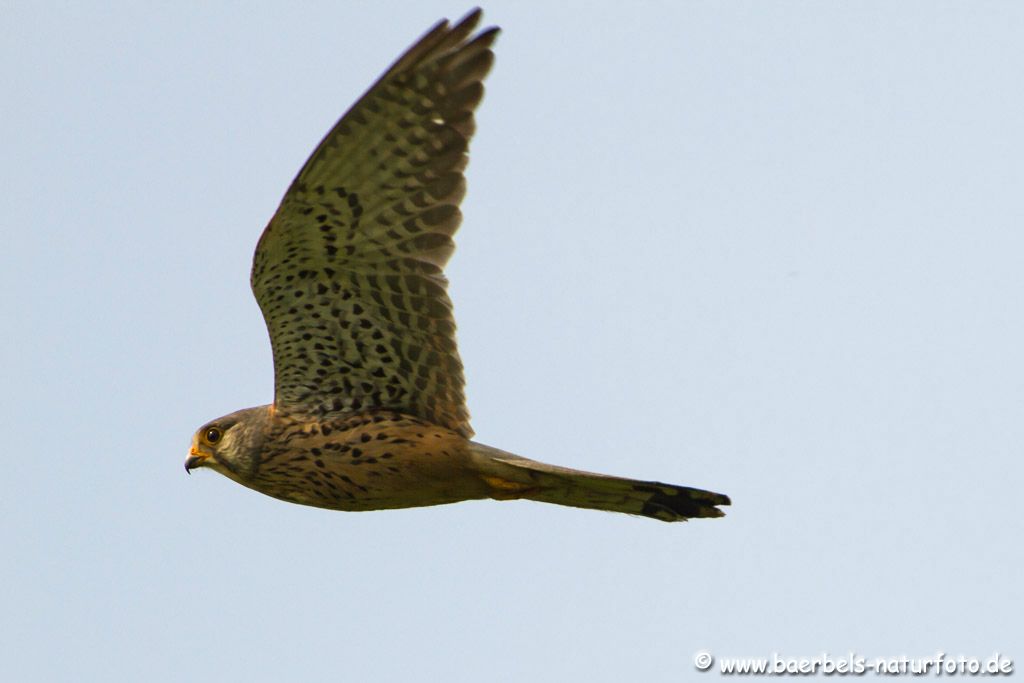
(230, 444)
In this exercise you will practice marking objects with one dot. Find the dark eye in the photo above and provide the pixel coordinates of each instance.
(213, 435)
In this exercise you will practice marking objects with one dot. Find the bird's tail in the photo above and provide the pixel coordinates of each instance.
(513, 477)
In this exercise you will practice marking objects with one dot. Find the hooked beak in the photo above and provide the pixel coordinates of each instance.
(196, 458)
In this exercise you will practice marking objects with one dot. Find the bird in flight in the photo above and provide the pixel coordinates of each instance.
(369, 411)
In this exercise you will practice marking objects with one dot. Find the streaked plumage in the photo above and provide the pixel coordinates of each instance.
(369, 411)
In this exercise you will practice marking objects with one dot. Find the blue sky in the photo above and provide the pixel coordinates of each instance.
(770, 249)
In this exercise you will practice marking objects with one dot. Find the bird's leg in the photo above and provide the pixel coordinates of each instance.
(503, 489)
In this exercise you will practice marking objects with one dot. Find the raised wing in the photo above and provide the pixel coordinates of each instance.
(348, 273)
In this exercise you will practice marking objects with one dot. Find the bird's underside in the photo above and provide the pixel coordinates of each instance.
(369, 411)
(384, 460)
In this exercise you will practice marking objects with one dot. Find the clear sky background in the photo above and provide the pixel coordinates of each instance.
(771, 249)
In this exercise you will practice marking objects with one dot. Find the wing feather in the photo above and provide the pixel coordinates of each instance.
(349, 272)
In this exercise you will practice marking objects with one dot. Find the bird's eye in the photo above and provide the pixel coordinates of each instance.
(212, 435)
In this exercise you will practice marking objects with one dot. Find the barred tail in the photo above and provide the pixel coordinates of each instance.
(513, 477)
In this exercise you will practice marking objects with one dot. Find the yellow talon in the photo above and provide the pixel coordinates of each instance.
(503, 489)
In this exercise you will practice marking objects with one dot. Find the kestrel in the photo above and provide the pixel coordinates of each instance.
(368, 410)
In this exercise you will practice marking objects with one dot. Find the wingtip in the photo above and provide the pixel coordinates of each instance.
(467, 24)
(471, 18)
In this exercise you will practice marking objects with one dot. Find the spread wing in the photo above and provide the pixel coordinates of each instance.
(348, 273)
